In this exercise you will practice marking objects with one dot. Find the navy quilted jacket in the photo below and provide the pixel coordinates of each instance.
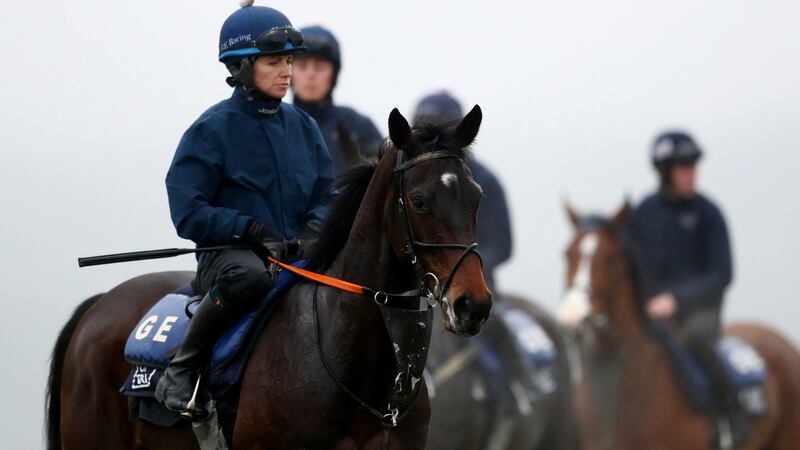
(249, 159)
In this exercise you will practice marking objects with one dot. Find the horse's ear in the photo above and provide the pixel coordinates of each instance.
(621, 217)
(399, 130)
(468, 128)
(573, 216)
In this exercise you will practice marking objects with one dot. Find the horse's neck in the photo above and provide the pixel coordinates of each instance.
(368, 258)
(363, 349)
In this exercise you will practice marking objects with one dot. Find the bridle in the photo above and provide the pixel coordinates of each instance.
(439, 292)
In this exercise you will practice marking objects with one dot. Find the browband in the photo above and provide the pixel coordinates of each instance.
(436, 154)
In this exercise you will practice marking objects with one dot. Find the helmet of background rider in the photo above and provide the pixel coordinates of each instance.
(253, 31)
(671, 148)
(674, 147)
(440, 105)
(321, 43)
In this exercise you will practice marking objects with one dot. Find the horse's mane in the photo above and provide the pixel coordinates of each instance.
(352, 186)
(429, 134)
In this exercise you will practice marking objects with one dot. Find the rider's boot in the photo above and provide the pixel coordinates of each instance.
(178, 387)
(732, 410)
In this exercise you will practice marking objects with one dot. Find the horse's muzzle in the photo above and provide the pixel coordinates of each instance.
(470, 314)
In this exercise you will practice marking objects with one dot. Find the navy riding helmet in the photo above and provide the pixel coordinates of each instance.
(441, 105)
(321, 43)
(674, 147)
(257, 30)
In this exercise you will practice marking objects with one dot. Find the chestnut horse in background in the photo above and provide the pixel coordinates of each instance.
(288, 399)
(627, 397)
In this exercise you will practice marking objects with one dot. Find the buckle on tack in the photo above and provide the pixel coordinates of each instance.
(390, 418)
(381, 297)
(435, 294)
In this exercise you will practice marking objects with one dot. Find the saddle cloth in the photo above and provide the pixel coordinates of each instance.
(161, 330)
(745, 369)
(533, 347)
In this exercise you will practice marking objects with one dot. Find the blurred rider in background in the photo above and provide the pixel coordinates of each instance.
(494, 222)
(683, 242)
(316, 72)
(496, 343)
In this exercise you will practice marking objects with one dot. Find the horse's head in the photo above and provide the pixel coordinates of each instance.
(432, 215)
(598, 269)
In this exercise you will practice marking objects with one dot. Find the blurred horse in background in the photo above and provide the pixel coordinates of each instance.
(628, 396)
(468, 412)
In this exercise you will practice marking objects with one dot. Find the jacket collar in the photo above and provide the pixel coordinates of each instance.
(673, 200)
(257, 105)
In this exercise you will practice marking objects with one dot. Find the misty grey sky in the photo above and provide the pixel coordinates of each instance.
(95, 96)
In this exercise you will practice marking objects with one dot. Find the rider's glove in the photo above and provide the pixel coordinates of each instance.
(263, 241)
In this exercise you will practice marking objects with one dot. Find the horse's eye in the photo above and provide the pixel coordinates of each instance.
(419, 204)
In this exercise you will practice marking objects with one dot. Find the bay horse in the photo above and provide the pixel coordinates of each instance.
(628, 397)
(464, 413)
(390, 221)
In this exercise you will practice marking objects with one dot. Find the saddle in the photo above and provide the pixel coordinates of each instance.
(744, 367)
(534, 356)
(158, 335)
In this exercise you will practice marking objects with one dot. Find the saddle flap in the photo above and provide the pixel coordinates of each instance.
(159, 331)
(162, 329)
(744, 365)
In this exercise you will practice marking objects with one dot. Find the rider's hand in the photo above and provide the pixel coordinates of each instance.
(297, 249)
(263, 241)
(662, 306)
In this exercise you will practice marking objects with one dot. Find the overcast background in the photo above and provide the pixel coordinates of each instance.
(95, 95)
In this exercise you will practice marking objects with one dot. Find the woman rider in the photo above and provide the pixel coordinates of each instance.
(250, 169)
(315, 74)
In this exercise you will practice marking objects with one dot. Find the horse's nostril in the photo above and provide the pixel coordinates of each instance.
(468, 310)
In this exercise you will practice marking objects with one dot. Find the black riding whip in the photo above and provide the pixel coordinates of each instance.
(150, 254)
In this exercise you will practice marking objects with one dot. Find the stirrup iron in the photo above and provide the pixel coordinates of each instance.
(190, 407)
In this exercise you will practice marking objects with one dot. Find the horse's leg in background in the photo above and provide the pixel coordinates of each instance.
(93, 412)
(781, 429)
